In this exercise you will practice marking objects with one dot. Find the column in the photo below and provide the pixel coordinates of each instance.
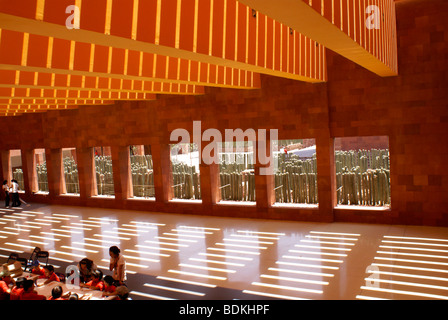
(29, 171)
(161, 158)
(55, 172)
(86, 173)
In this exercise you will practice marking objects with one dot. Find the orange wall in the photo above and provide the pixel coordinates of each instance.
(411, 109)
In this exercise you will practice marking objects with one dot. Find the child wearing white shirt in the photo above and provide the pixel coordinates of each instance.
(15, 193)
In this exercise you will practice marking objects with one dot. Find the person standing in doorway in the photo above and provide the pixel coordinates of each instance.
(15, 193)
(5, 188)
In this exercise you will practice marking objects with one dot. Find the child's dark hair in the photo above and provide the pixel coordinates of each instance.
(123, 292)
(73, 296)
(56, 292)
(109, 280)
(27, 284)
(87, 262)
(49, 268)
(20, 281)
(114, 250)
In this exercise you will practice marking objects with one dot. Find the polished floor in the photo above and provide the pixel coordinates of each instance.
(172, 256)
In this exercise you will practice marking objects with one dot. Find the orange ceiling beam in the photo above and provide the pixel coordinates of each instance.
(63, 91)
(363, 31)
(36, 107)
(225, 33)
(19, 110)
(36, 80)
(30, 52)
(8, 92)
(38, 101)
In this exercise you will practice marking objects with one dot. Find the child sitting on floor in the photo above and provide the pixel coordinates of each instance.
(50, 275)
(56, 294)
(5, 276)
(29, 293)
(73, 296)
(122, 293)
(37, 269)
(17, 290)
(97, 281)
(4, 290)
(109, 286)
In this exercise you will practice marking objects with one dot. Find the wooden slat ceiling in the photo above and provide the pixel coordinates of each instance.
(363, 31)
(136, 49)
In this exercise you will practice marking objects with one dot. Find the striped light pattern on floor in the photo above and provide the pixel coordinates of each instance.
(308, 267)
(408, 268)
(189, 257)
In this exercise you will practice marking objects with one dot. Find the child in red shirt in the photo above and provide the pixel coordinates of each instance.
(5, 281)
(17, 290)
(50, 275)
(4, 290)
(37, 269)
(29, 293)
(109, 287)
(56, 294)
(5, 276)
(96, 283)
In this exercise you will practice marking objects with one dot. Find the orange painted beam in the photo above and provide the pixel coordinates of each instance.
(9, 114)
(362, 31)
(36, 80)
(8, 92)
(30, 52)
(224, 33)
(6, 111)
(39, 101)
(43, 107)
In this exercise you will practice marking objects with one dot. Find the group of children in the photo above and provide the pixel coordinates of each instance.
(20, 289)
(24, 289)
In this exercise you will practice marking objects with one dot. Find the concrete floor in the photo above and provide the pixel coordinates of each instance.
(172, 256)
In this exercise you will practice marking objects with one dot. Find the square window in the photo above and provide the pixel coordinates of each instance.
(295, 170)
(104, 171)
(70, 166)
(236, 168)
(363, 171)
(185, 171)
(142, 173)
(41, 170)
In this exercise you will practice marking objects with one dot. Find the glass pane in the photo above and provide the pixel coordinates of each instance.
(16, 167)
(70, 165)
(363, 171)
(236, 167)
(104, 172)
(142, 171)
(185, 170)
(41, 170)
(295, 171)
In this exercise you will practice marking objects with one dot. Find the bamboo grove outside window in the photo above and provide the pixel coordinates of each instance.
(16, 167)
(185, 171)
(70, 166)
(363, 171)
(104, 171)
(295, 171)
(41, 170)
(142, 172)
(236, 167)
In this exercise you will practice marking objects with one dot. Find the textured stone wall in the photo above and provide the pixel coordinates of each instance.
(411, 109)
